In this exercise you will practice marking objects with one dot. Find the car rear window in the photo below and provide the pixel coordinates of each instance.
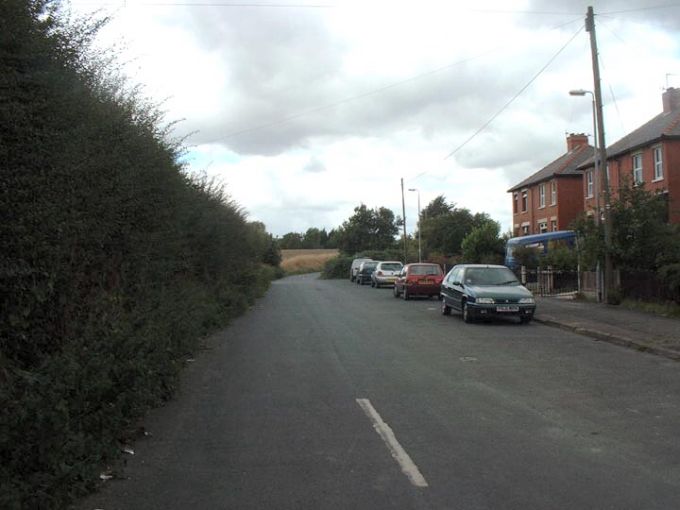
(391, 267)
(422, 270)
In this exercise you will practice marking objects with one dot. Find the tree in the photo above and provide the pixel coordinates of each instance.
(483, 245)
(640, 237)
(444, 227)
(367, 229)
(291, 241)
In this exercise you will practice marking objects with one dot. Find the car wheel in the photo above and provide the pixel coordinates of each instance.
(395, 291)
(372, 284)
(525, 319)
(446, 309)
(466, 313)
(406, 295)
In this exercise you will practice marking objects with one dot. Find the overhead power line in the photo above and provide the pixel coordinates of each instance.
(507, 104)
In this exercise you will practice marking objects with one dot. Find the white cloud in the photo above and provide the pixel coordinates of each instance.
(249, 83)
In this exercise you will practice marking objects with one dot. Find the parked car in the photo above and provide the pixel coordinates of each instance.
(354, 268)
(486, 291)
(421, 279)
(386, 273)
(365, 271)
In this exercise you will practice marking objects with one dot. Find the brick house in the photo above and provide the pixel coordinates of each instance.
(650, 155)
(552, 198)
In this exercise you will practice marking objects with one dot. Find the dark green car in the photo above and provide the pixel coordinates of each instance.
(479, 291)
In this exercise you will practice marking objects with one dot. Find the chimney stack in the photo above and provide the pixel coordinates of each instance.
(575, 140)
(671, 99)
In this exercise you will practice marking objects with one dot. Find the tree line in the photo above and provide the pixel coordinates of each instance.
(449, 234)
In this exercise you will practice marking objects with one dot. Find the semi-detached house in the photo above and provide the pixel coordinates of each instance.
(650, 155)
(552, 198)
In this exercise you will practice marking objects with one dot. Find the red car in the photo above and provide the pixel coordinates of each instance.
(420, 279)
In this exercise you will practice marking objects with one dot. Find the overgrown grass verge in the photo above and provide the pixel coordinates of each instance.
(668, 309)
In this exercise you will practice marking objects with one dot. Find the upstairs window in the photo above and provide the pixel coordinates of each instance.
(541, 195)
(637, 169)
(658, 163)
(589, 184)
(515, 202)
(553, 193)
(525, 200)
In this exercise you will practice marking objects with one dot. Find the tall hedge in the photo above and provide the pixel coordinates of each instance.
(113, 260)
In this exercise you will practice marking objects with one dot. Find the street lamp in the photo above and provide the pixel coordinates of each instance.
(596, 173)
(598, 190)
(420, 253)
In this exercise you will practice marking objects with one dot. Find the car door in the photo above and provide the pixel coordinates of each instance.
(446, 289)
(399, 282)
(456, 288)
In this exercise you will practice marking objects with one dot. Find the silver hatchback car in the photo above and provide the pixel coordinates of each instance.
(385, 273)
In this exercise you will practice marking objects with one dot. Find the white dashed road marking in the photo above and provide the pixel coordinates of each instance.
(407, 465)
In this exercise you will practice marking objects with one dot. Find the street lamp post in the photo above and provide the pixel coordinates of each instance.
(597, 168)
(420, 253)
(596, 172)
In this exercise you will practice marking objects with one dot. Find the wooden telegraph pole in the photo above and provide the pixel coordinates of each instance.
(590, 28)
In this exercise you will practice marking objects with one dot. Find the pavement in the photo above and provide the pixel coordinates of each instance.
(638, 330)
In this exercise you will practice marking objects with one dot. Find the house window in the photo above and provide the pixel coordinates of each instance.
(525, 201)
(658, 163)
(541, 195)
(543, 227)
(589, 184)
(515, 202)
(637, 169)
(553, 193)
(553, 225)
(606, 169)
(525, 230)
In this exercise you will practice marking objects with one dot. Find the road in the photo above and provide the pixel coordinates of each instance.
(331, 396)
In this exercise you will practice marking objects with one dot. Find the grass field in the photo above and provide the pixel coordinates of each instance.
(305, 261)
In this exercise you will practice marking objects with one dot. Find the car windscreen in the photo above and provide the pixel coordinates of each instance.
(369, 265)
(391, 267)
(425, 270)
(490, 276)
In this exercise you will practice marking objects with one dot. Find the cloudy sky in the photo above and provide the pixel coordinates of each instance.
(306, 109)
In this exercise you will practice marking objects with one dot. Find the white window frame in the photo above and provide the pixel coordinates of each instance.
(606, 169)
(553, 225)
(658, 163)
(589, 184)
(525, 200)
(542, 227)
(637, 168)
(541, 195)
(515, 202)
(553, 193)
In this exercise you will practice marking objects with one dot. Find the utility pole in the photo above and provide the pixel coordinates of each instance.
(590, 28)
(403, 216)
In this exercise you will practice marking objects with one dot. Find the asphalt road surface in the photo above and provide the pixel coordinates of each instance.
(327, 395)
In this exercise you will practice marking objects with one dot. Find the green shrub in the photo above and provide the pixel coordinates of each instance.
(337, 267)
(670, 275)
(114, 261)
